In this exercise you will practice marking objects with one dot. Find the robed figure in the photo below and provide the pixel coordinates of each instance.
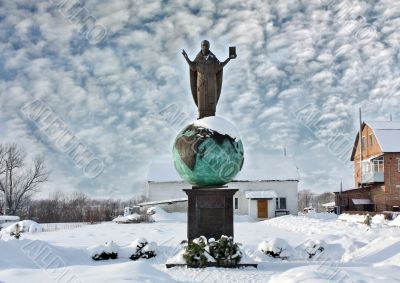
(206, 79)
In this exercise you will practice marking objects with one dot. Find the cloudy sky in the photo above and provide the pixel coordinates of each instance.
(117, 84)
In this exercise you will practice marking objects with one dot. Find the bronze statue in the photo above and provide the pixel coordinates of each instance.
(206, 78)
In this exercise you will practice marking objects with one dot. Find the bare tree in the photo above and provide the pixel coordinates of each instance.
(19, 182)
(305, 199)
(2, 203)
(75, 207)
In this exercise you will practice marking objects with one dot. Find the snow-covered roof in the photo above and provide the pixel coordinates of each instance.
(328, 204)
(388, 135)
(384, 125)
(261, 194)
(169, 201)
(373, 157)
(260, 168)
(361, 201)
(9, 218)
(268, 168)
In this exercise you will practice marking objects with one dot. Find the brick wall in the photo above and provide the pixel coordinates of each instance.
(347, 197)
(378, 197)
(382, 200)
(392, 180)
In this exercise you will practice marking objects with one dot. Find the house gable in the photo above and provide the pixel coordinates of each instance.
(372, 145)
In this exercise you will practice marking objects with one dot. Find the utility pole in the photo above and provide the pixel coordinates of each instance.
(361, 149)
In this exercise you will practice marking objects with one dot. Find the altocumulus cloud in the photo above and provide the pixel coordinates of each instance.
(295, 59)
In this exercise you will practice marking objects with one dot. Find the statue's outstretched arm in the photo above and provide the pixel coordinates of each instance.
(192, 65)
(231, 56)
(222, 64)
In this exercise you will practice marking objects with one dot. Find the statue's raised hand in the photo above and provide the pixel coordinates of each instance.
(184, 53)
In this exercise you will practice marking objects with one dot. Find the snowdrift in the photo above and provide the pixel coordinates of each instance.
(24, 226)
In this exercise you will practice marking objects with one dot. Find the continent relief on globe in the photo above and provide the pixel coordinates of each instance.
(206, 157)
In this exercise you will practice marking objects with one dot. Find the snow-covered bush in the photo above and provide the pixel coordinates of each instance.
(17, 232)
(279, 248)
(276, 248)
(151, 211)
(368, 220)
(225, 251)
(197, 252)
(104, 252)
(144, 216)
(141, 248)
(313, 247)
(132, 218)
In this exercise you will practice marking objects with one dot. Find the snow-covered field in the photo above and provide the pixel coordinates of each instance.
(353, 252)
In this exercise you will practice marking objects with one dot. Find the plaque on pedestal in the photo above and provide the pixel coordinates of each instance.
(210, 212)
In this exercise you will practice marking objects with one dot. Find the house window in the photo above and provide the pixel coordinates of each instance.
(371, 140)
(363, 143)
(375, 165)
(281, 203)
(398, 164)
(378, 164)
(236, 203)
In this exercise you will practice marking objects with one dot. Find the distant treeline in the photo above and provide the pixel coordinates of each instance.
(76, 207)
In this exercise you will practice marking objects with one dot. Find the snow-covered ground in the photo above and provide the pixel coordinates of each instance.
(353, 252)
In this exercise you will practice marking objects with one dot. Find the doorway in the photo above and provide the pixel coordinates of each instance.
(262, 208)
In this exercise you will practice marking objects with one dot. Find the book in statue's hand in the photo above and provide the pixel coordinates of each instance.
(232, 52)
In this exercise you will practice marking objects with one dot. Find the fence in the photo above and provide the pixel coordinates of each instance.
(50, 227)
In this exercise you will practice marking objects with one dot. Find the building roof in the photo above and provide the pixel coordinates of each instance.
(268, 168)
(365, 188)
(261, 168)
(167, 201)
(387, 134)
(261, 194)
(357, 201)
(328, 204)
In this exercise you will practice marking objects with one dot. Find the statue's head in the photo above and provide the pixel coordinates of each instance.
(205, 46)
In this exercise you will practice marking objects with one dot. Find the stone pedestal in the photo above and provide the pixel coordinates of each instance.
(210, 212)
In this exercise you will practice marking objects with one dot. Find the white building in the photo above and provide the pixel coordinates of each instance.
(6, 220)
(266, 189)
